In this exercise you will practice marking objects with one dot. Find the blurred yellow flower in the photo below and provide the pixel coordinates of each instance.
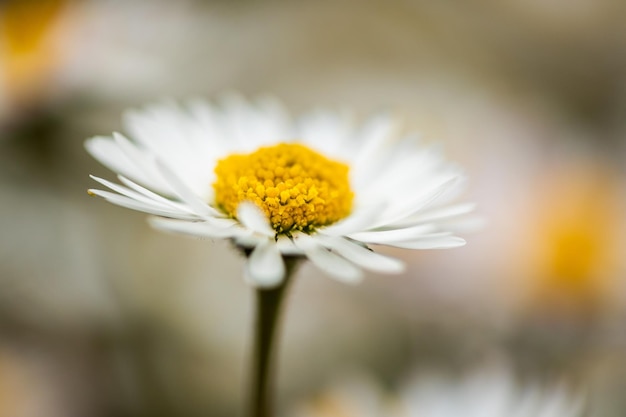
(576, 254)
(27, 54)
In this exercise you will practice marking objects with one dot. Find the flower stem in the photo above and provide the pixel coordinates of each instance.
(268, 304)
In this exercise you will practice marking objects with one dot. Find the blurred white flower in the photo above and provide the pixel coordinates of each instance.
(111, 57)
(492, 391)
(318, 187)
(488, 392)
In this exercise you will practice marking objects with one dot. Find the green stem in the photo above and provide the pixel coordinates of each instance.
(268, 304)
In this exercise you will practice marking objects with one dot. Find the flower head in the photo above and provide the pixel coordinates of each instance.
(320, 186)
(297, 188)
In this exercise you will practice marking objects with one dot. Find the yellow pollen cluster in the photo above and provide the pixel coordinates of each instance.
(297, 188)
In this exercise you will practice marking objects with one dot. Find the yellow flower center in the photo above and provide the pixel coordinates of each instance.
(296, 187)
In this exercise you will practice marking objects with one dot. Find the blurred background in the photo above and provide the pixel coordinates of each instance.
(102, 316)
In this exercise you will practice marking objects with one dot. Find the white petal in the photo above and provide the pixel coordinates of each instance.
(265, 267)
(330, 263)
(151, 195)
(240, 120)
(416, 204)
(362, 256)
(108, 152)
(468, 225)
(186, 194)
(249, 240)
(146, 161)
(199, 229)
(335, 266)
(167, 132)
(216, 142)
(287, 247)
(152, 201)
(434, 241)
(130, 203)
(325, 131)
(277, 118)
(125, 191)
(254, 219)
(387, 165)
(394, 235)
(440, 213)
(376, 131)
(359, 220)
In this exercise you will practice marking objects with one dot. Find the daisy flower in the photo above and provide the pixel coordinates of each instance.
(320, 186)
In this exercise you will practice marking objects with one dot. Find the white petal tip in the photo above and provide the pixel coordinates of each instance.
(265, 267)
(453, 243)
(395, 268)
(262, 283)
(254, 219)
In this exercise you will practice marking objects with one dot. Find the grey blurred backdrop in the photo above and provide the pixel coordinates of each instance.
(102, 316)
